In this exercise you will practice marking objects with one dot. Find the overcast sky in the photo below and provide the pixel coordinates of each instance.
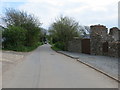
(86, 12)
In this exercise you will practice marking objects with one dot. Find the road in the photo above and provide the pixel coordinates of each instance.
(44, 68)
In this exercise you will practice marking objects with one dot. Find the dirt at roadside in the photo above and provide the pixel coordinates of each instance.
(10, 58)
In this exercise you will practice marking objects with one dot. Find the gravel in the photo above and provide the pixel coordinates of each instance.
(105, 63)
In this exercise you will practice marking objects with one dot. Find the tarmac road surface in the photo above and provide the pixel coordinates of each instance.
(44, 68)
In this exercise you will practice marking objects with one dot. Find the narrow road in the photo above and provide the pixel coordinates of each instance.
(44, 68)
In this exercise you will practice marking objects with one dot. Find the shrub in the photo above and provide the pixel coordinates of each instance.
(14, 37)
(60, 45)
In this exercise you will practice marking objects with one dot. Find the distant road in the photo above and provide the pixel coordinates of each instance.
(44, 68)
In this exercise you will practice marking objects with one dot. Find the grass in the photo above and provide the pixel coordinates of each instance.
(55, 48)
(24, 48)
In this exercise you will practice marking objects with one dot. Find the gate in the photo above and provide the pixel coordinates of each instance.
(86, 46)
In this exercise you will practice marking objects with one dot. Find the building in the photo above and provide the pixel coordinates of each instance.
(100, 42)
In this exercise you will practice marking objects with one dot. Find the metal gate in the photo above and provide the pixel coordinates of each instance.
(85, 46)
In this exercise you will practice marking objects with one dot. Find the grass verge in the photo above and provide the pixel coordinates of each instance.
(24, 48)
(55, 48)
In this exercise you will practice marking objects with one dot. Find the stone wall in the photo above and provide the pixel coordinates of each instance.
(96, 45)
(99, 36)
(75, 45)
(115, 33)
(101, 42)
(114, 49)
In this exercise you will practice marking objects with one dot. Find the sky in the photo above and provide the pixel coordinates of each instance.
(86, 12)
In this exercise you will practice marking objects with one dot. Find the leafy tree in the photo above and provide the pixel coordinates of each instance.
(63, 30)
(33, 34)
(14, 36)
(27, 21)
(19, 18)
(43, 35)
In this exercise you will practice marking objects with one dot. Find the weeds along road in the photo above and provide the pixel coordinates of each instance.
(44, 68)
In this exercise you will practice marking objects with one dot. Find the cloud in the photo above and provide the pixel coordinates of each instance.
(87, 12)
(13, 0)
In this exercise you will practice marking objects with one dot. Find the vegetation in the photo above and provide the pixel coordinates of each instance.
(55, 48)
(23, 32)
(63, 30)
(14, 36)
(24, 48)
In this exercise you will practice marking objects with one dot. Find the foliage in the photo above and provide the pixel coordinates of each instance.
(19, 18)
(63, 30)
(43, 35)
(23, 30)
(33, 35)
(14, 36)
(60, 45)
(55, 48)
(24, 48)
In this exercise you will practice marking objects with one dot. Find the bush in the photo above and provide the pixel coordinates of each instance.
(55, 48)
(14, 37)
(32, 35)
(24, 48)
(60, 45)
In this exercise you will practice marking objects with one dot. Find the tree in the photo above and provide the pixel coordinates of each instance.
(27, 21)
(63, 30)
(18, 18)
(14, 37)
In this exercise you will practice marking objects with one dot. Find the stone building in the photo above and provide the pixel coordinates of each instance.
(97, 37)
(104, 43)
(115, 33)
(100, 43)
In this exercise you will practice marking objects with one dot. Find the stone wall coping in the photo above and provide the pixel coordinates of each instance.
(114, 28)
(102, 26)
